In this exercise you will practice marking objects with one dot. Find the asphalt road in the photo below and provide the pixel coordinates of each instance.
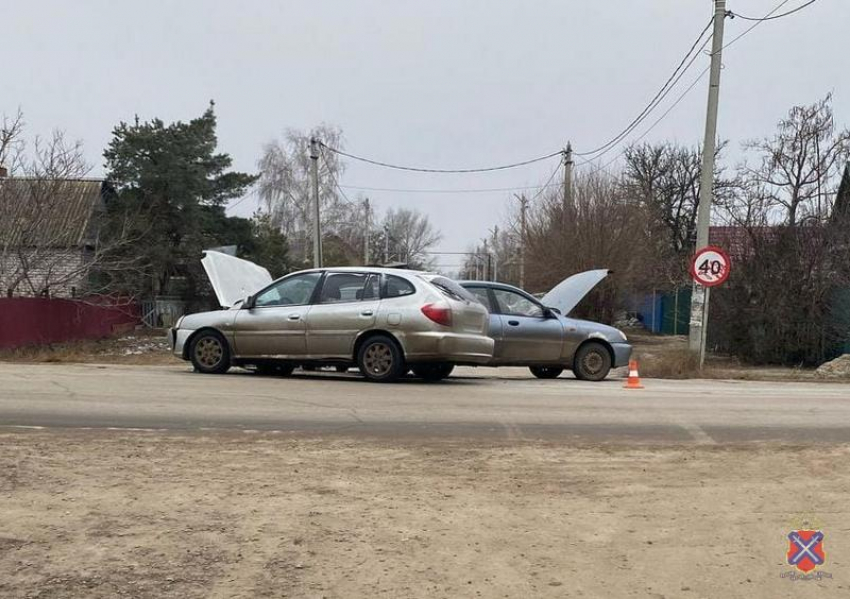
(480, 403)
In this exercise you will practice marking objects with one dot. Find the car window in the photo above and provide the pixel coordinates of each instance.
(291, 291)
(511, 302)
(398, 287)
(340, 287)
(450, 289)
(481, 295)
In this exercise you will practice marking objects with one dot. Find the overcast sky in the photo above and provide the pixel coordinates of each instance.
(443, 84)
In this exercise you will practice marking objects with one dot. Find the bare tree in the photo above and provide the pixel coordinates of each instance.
(286, 194)
(786, 301)
(411, 236)
(799, 168)
(50, 217)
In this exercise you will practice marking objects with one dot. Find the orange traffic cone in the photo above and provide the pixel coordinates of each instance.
(633, 381)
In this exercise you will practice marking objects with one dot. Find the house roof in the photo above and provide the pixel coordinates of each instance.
(48, 212)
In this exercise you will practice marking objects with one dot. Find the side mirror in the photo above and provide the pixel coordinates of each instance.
(249, 302)
(552, 312)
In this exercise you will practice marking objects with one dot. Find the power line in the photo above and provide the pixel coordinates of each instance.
(441, 170)
(771, 18)
(333, 178)
(693, 84)
(758, 22)
(659, 96)
(657, 121)
(462, 190)
(547, 184)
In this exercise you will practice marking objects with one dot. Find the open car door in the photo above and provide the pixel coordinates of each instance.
(566, 295)
(232, 278)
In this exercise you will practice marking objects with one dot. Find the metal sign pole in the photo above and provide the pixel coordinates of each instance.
(704, 331)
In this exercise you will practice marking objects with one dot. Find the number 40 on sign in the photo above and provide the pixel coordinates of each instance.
(710, 266)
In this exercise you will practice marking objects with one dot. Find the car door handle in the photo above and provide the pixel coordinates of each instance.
(513, 323)
(294, 317)
(367, 313)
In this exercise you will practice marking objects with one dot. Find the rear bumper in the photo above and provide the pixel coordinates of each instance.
(622, 353)
(434, 346)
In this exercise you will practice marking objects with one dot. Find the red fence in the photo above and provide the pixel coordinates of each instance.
(38, 321)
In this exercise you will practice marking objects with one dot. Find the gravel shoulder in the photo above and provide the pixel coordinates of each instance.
(150, 515)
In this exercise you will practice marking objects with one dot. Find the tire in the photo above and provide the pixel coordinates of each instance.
(210, 353)
(592, 362)
(433, 372)
(546, 372)
(380, 359)
(274, 369)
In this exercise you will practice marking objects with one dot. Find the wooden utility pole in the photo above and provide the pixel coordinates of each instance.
(317, 224)
(568, 179)
(494, 247)
(700, 294)
(523, 209)
(386, 244)
(367, 232)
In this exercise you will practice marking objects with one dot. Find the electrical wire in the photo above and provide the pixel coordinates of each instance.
(756, 24)
(771, 18)
(694, 83)
(547, 184)
(655, 124)
(333, 178)
(441, 170)
(239, 201)
(680, 70)
(463, 190)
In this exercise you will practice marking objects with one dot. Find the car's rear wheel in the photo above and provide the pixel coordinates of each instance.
(274, 369)
(592, 362)
(433, 372)
(210, 353)
(380, 359)
(546, 372)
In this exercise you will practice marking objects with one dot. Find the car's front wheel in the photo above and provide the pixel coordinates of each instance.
(433, 372)
(380, 359)
(546, 372)
(210, 353)
(592, 362)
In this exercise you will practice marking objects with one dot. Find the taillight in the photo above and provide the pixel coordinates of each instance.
(439, 314)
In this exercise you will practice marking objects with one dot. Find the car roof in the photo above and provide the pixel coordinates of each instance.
(366, 269)
(491, 284)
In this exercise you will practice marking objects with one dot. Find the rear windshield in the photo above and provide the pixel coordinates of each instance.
(450, 288)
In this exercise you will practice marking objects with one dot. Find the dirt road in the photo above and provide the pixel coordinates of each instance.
(99, 514)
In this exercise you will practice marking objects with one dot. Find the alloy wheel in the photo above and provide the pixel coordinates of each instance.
(208, 352)
(378, 359)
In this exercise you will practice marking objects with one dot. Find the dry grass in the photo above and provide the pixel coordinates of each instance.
(667, 357)
(144, 346)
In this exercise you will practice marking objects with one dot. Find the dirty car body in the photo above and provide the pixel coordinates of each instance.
(533, 333)
(384, 321)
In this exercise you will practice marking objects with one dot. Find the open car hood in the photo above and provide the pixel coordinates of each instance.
(568, 293)
(232, 278)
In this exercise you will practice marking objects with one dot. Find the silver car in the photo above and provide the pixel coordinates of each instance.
(528, 332)
(386, 322)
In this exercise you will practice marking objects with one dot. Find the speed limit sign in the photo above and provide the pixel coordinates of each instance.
(711, 266)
